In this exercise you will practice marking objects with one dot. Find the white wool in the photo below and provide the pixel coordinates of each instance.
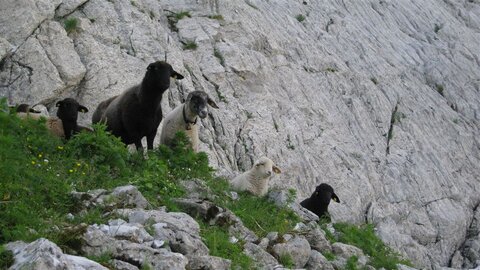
(174, 123)
(256, 179)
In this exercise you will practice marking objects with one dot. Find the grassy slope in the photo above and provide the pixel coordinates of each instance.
(38, 171)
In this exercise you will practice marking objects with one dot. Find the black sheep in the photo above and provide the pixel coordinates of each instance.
(137, 112)
(320, 199)
(68, 112)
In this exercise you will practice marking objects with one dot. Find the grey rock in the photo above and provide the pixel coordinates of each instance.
(318, 241)
(262, 259)
(346, 251)
(272, 236)
(43, 254)
(264, 243)
(5, 48)
(121, 265)
(129, 197)
(61, 52)
(197, 189)
(318, 262)
(208, 263)
(297, 248)
(68, 7)
(198, 208)
(177, 221)
(235, 226)
(188, 245)
(33, 13)
(156, 258)
(158, 243)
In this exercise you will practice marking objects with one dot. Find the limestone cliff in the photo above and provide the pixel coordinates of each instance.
(378, 98)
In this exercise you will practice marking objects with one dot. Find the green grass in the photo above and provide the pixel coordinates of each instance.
(329, 255)
(216, 239)
(216, 17)
(352, 263)
(257, 213)
(190, 45)
(6, 258)
(71, 25)
(39, 171)
(364, 238)
(286, 260)
(300, 17)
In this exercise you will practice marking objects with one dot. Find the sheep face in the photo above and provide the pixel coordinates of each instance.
(159, 73)
(68, 109)
(264, 167)
(324, 193)
(198, 101)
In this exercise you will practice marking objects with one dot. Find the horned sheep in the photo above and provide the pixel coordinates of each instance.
(137, 112)
(256, 179)
(185, 118)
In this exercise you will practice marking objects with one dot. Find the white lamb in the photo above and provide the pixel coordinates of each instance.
(185, 117)
(256, 179)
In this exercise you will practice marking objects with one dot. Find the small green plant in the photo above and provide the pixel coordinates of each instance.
(134, 3)
(300, 17)
(436, 28)
(330, 69)
(6, 258)
(329, 255)
(455, 120)
(219, 56)
(216, 17)
(352, 263)
(217, 241)
(374, 80)
(249, 115)
(182, 14)
(440, 89)
(104, 259)
(71, 25)
(152, 15)
(364, 238)
(190, 45)
(286, 260)
(173, 19)
(221, 97)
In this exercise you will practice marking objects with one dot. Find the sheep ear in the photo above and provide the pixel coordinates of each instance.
(212, 103)
(82, 109)
(177, 75)
(58, 104)
(335, 198)
(276, 169)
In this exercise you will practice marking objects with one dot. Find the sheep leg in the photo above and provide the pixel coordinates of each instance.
(150, 138)
(138, 145)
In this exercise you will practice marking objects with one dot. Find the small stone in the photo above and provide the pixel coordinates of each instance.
(157, 243)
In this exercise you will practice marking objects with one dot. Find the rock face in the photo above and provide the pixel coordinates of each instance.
(43, 254)
(380, 99)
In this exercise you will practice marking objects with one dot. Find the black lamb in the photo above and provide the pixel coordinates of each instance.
(137, 112)
(320, 199)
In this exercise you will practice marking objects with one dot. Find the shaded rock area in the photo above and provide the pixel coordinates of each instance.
(380, 99)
